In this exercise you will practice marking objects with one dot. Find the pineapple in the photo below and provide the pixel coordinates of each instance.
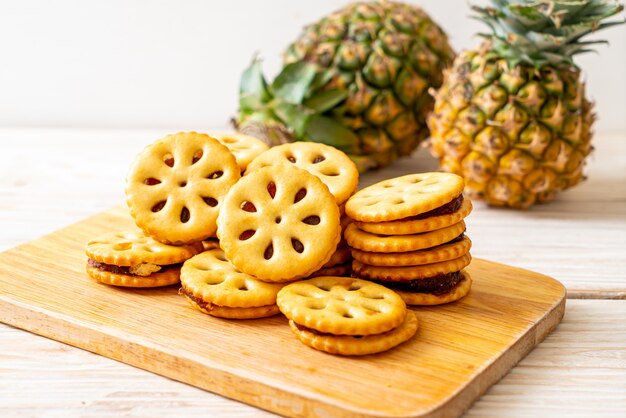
(512, 117)
(358, 80)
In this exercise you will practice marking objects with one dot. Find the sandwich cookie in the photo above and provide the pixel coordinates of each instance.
(409, 235)
(132, 259)
(214, 286)
(346, 316)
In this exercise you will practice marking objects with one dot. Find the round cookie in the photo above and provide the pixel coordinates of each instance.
(176, 187)
(436, 254)
(366, 241)
(399, 274)
(333, 167)
(348, 345)
(427, 299)
(341, 306)
(404, 196)
(211, 279)
(131, 248)
(245, 148)
(408, 225)
(279, 223)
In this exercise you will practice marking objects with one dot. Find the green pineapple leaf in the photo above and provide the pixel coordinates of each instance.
(328, 131)
(294, 116)
(325, 100)
(292, 84)
(253, 90)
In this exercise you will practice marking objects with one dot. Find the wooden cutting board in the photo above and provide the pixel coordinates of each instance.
(460, 350)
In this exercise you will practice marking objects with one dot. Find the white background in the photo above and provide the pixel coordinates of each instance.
(176, 64)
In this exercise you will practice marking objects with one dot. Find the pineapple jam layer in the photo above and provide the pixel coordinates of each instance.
(141, 270)
(201, 303)
(316, 332)
(450, 207)
(437, 285)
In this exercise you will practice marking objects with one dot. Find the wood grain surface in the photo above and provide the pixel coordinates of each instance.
(460, 351)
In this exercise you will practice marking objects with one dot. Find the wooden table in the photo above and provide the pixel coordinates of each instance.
(51, 178)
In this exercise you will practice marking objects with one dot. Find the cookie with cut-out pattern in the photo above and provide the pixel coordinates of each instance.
(245, 148)
(348, 345)
(341, 306)
(332, 166)
(405, 196)
(210, 279)
(131, 248)
(279, 223)
(176, 187)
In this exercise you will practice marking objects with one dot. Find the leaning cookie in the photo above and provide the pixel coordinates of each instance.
(132, 259)
(214, 286)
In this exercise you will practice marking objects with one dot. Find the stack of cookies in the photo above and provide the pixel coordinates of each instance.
(409, 235)
(346, 316)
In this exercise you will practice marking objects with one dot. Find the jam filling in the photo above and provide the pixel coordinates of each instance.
(123, 269)
(311, 330)
(450, 207)
(437, 285)
(201, 303)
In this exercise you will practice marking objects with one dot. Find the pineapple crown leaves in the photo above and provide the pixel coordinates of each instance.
(294, 100)
(541, 32)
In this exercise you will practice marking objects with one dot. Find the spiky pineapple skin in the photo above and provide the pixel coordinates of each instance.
(387, 55)
(517, 135)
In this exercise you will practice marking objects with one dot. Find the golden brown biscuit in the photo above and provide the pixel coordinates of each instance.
(212, 279)
(158, 279)
(398, 274)
(176, 186)
(333, 167)
(410, 225)
(404, 196)
(245, 148)
(341, 306)
(131, 259)
(365, 241)
(234, 313)
(443, 252)
(279, 223)
(131, 248)
(348, 345)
